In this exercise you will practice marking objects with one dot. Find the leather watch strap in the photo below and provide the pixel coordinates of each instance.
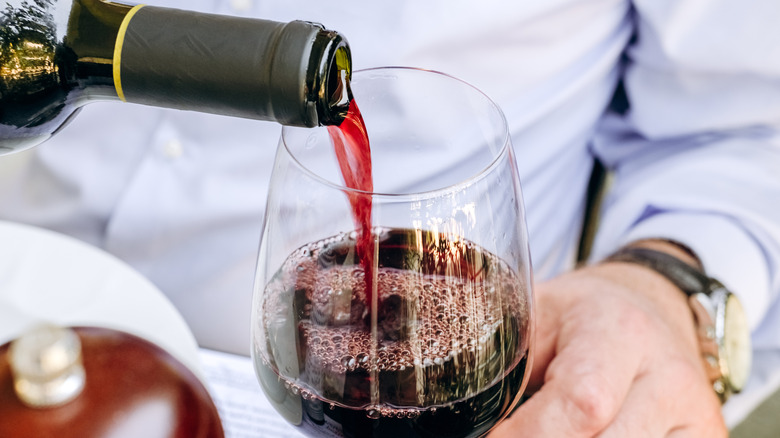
(689, 279)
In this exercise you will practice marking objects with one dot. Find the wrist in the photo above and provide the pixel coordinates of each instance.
(655, 285)
(721, 329)
(654, 292)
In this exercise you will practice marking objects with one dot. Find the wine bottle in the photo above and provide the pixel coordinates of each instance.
(57, 55)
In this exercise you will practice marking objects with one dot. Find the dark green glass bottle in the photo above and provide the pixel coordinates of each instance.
(57, 55)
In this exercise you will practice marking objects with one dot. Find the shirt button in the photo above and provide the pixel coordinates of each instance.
(173, 149)
(241, 5)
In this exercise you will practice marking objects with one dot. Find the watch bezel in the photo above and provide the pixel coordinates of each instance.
(737, 363)
(714, 311)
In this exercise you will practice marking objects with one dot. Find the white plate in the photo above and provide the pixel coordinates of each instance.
(48, 277)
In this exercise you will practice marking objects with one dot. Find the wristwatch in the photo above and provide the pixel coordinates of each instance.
(721, 324)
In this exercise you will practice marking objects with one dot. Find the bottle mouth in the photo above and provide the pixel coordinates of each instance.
(334, 73)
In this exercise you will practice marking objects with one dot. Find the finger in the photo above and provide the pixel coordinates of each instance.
(676, 391)
(585, 383)
(706, 421)
(706, 426)
(633, 419)
(545, 336)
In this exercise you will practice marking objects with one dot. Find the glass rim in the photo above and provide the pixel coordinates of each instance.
(468, 180)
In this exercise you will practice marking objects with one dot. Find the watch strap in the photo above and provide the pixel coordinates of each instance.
(686, 277)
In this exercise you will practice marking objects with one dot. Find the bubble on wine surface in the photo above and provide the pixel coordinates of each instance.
(442, 323)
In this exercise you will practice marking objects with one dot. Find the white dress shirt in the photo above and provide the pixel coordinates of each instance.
(180, 196)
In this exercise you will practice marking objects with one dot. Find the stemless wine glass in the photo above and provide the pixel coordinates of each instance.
(440, 346)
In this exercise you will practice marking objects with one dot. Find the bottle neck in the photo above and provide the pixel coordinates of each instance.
(293, 73)
(90, 43)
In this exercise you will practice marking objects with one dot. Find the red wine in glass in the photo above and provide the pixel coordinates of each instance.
(442, 358)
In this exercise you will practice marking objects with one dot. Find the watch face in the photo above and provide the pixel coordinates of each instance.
(736, 349)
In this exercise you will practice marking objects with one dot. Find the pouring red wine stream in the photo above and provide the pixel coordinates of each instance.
(353, 152)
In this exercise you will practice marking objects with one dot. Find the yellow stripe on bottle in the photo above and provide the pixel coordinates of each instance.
(120, 39)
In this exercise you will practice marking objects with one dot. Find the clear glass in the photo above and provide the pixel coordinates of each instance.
(443, 349)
